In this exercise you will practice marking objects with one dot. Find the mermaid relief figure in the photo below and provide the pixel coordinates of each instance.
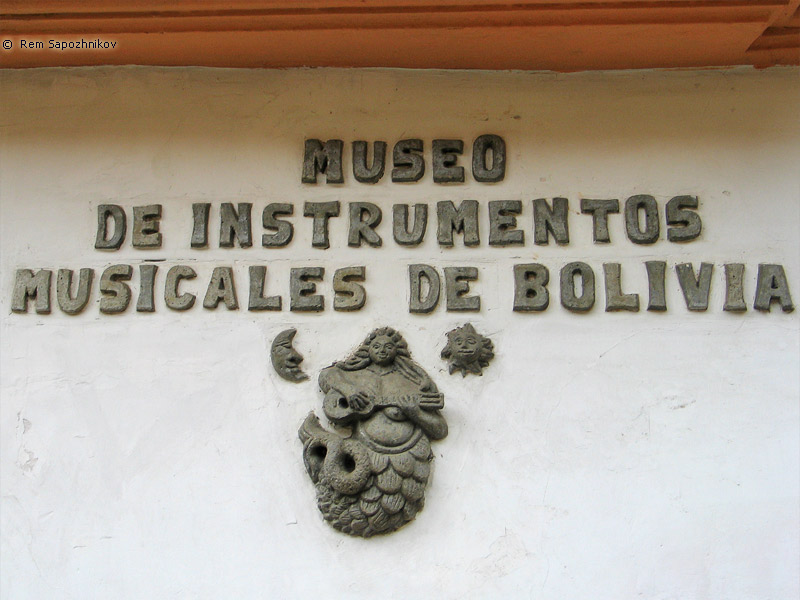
(373, 481)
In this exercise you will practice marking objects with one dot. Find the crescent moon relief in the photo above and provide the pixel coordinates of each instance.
(285, 359)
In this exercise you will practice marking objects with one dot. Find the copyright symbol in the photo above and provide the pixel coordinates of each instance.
(7, 44)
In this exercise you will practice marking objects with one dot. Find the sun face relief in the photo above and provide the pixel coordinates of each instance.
(465, 345)
(467, 350)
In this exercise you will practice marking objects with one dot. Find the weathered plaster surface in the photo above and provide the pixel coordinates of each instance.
(602, 456)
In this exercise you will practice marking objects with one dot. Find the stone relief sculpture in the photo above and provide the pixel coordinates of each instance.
(467, 350)
(373, 481)
(285, 359)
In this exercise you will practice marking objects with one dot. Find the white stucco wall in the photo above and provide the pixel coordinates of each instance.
(601, 456)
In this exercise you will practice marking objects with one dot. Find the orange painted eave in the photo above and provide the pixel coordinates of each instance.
(559, 35)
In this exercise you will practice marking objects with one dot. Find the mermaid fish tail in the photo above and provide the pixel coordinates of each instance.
(364, 489)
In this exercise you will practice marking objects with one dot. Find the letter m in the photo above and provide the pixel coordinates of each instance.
(28, 285)
(323, 158)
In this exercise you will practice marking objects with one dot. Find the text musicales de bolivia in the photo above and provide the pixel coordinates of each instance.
(426, 284)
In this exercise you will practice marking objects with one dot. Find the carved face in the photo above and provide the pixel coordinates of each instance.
(466, 345)
(382, 350)
(467, 350)
(285, 359)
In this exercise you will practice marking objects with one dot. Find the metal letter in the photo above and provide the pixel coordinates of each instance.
(147, 278)
(569, 299)
(221, 287)
(408, 165)
(235, 223)
(599, 209)
(145, 226)
(68, 304)
(104, 212)
(172, 299)
(688, 224)
(349, 295)
(325, 159)
(27, 285)
(656, 275)
(200, 213)
(480, 149)
(456, 289)
(651, 226)
(695, 289)
(257, 301)
(549, 219)
(772, 285)
(418, 303)
(302, 288)
(116, 295)
(364, 228)
(445, 160)
(734, 289)
(321, 211)
(402, 235)
(283, 229)
(615, 299)
(530, 287)
(360, 170)
(465, 220)
(503, 222)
